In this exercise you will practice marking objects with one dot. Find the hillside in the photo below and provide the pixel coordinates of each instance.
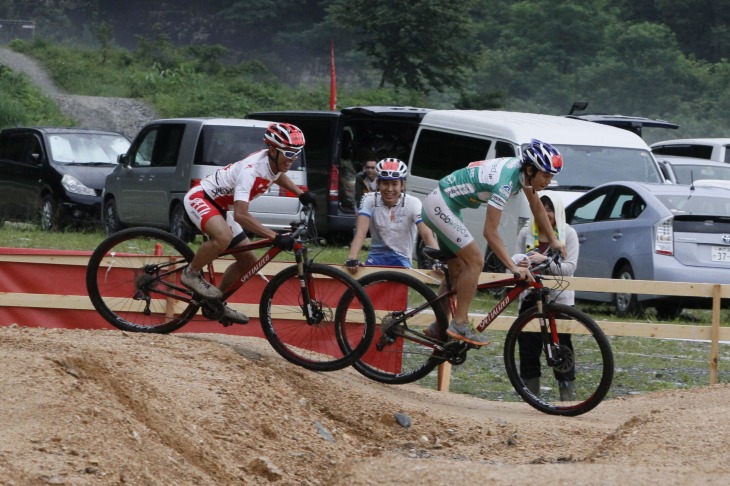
(116, 114)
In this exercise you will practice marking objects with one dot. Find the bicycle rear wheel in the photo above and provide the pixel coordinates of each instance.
(582, 370)
(314, 345)
(127, 274)
(400, 353)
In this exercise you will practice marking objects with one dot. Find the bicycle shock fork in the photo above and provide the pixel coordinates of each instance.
(310, 307)
(547, 330)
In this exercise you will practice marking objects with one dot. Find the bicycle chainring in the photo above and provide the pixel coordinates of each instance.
(213, 309)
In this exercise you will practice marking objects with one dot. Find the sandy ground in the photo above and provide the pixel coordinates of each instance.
(107, 407)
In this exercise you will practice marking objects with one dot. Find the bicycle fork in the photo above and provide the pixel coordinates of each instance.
(310, 306)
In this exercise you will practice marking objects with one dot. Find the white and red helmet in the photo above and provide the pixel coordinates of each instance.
(284, 136)
(391, 169)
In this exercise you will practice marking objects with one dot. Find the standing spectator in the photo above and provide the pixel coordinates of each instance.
(532, 244)
(393, 219)
(366, 181)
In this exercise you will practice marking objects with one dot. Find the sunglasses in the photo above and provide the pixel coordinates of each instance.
(391, 174)
(289, 154)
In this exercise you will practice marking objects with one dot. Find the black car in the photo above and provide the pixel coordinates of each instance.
(56, 175)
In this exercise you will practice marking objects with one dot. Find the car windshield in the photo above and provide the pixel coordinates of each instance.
(87, 148)
(696, 204)
(589, 166)
(687, 173)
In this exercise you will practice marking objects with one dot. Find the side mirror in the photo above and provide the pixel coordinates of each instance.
(123, 159)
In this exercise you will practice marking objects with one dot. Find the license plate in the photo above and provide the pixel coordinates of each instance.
(720, 254)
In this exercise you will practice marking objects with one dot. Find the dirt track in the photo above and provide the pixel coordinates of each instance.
(107, 407)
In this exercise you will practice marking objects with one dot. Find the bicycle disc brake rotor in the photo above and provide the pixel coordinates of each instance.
(564, 360)
(318, 314)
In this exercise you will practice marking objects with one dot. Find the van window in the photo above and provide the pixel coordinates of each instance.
(697, 151)
(438, 154)
(222, 145)
(590, 166)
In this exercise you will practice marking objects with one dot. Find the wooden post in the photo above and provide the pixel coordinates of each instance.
(715, 333)
(444, 377)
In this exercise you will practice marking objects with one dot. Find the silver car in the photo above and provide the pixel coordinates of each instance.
(644, 231)
(169, 156)
(689, 170)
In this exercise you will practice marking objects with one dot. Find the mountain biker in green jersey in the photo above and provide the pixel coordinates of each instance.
(493, 182)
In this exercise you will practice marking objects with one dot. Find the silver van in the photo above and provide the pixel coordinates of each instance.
(168, 156)
(594, 153)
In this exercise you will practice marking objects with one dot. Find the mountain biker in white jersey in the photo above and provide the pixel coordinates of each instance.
(492, 182)
(393, 219)
(234, 187)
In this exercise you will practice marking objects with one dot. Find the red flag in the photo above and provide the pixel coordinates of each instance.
(333, 78)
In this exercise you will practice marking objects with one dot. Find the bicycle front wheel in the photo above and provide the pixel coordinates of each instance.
(313, 344)
(400, 353)
(578, 375)
(133, 281)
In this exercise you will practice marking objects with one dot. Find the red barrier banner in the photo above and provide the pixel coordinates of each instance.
(47, 288)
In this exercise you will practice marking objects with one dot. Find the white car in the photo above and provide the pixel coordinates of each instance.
(701, 148)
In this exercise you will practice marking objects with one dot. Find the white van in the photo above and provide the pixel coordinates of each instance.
(593, 153)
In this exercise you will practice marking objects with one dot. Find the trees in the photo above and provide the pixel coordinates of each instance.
(418, 44)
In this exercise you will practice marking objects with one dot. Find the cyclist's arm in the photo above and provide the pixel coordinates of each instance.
(284, 181)
(249, 223)
(362, 224)
(427, 235)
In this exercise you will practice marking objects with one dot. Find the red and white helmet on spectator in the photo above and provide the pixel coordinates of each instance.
(391, 169)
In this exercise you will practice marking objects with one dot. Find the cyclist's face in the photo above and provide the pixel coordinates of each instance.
(280, 162)
(541, 180)
(390, 190)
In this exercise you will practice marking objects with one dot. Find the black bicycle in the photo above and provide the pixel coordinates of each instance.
(559, 343)
(133, 280)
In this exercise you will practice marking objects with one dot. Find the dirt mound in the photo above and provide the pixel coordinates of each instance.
(107, 407)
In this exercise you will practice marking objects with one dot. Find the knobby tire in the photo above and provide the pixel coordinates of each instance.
(585, 355)
(123, 274)
(403, 359)
(315, 346)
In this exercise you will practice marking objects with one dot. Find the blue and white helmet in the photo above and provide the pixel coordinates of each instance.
(543, 156)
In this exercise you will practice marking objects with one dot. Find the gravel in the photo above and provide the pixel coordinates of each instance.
(125, 115)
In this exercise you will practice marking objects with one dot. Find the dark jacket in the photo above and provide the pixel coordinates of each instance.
(361, 187)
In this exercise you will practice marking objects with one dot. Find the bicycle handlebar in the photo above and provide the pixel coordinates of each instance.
(554, 257)
(305, 222)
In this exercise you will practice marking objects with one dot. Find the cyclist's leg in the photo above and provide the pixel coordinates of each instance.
(450, 230)
(244, 260)
(207, 219)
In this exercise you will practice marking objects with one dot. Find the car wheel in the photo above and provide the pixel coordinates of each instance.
(110, 218)
(627, 305)
(179, 226)
(668, 310)
(49, 213)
